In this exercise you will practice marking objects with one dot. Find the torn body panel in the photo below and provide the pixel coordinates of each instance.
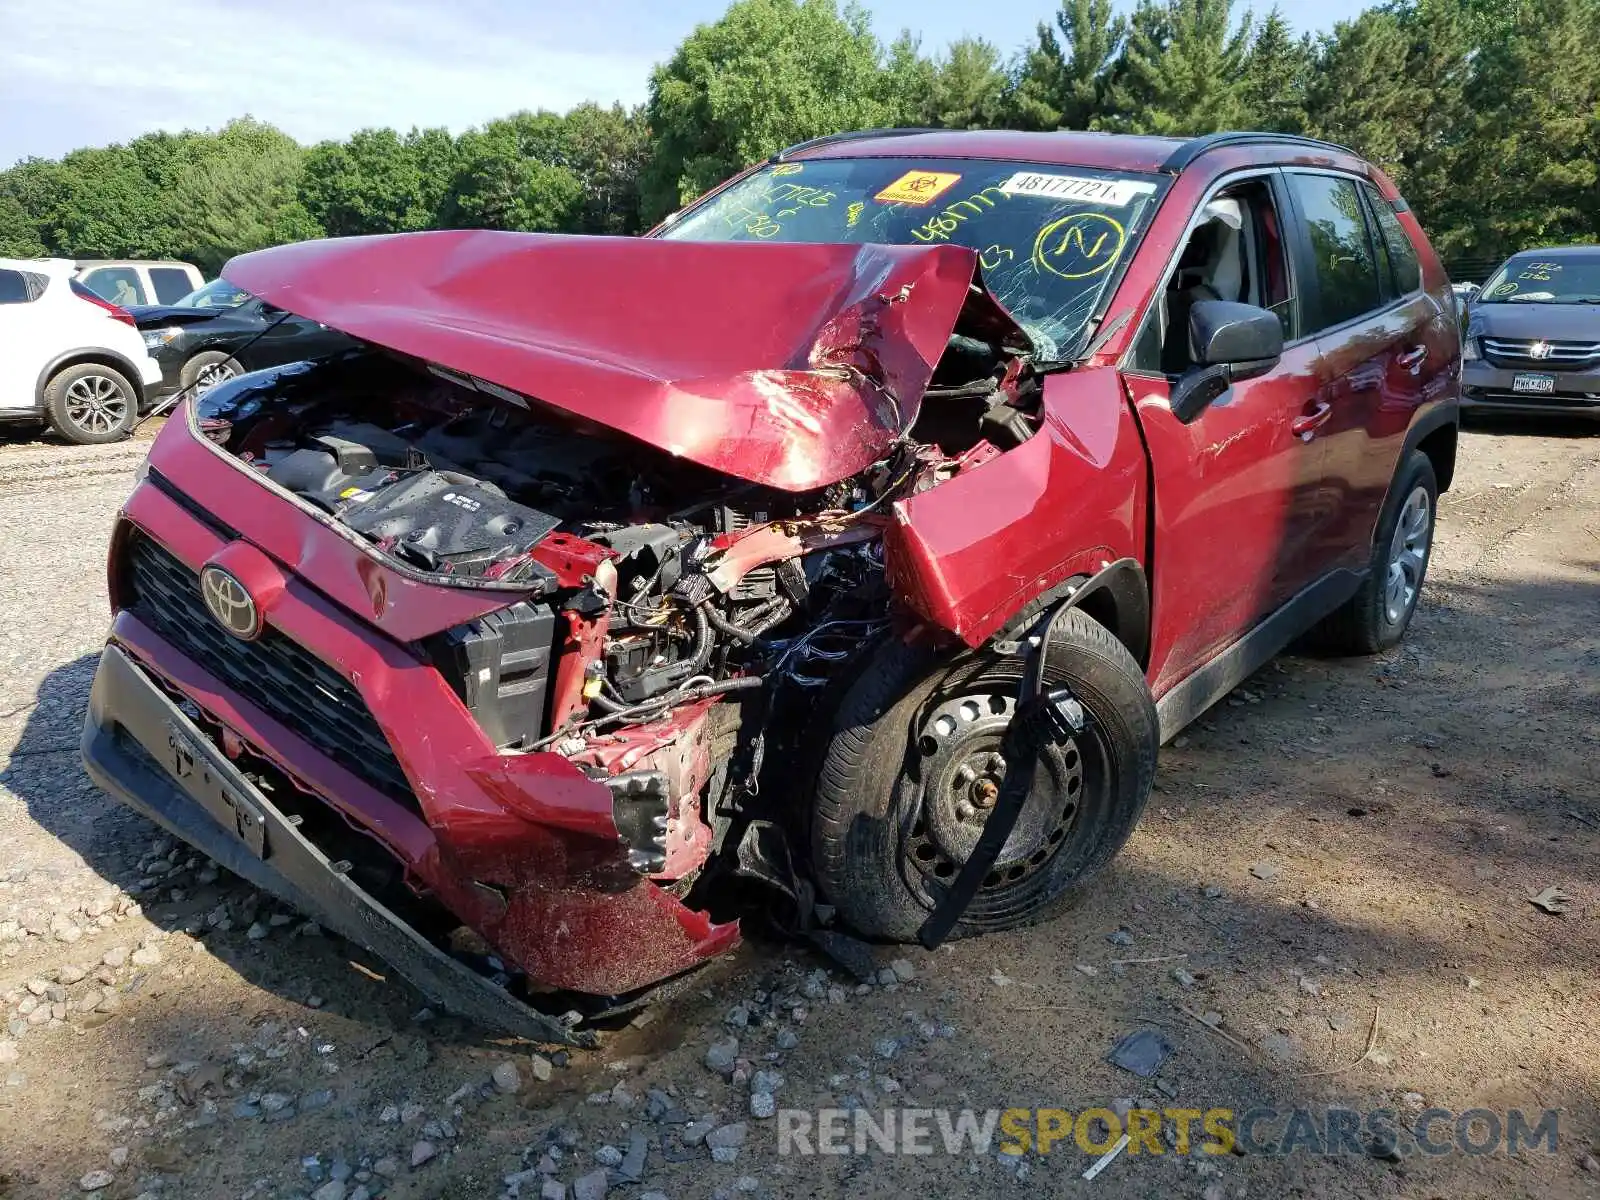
(971, 552)
(563, 620)
(688, 347)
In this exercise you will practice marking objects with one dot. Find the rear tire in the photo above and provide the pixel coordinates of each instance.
(1377, 616)
(90, 404)
(910, 772)
(209, 368)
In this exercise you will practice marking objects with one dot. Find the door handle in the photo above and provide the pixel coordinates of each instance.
(1306, 427)
(1413, 359)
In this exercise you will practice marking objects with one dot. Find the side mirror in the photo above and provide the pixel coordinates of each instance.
(1228, 343)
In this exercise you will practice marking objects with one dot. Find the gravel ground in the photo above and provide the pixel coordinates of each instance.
(1335, 873)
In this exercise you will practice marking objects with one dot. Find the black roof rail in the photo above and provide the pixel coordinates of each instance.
(1185, 154)
(829, 139)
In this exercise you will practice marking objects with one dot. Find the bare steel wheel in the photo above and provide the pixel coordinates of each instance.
(913, 768)
(962, 768)
(90, 404)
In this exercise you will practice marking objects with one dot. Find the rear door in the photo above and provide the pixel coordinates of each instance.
(1234, 495)
(1371, 318)
(120, 285)
(170, 284)
(28, 344)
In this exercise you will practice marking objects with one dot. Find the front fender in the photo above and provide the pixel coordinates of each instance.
(969, 554)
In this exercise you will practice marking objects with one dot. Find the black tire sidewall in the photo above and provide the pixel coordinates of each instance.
(867, 790)
(55, 402)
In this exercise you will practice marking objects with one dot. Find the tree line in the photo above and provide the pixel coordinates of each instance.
(1486, 112)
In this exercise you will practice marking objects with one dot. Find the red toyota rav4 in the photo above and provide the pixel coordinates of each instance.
(862, 531)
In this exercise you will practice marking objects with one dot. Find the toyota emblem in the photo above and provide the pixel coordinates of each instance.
(228, 602)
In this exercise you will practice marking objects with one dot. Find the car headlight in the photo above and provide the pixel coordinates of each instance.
(154, 339)
(1469, 350)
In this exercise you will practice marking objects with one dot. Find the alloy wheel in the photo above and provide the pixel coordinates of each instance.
(1408, 556)
(95, 404)
(213, 374)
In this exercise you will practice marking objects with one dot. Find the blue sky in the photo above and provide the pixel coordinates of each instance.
(87, 72)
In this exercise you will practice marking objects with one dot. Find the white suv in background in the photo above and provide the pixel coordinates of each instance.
(125, 281)
(67, 357)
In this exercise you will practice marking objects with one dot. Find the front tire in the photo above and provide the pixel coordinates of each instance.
(90, 404)
(1378, 615)
(913, 767)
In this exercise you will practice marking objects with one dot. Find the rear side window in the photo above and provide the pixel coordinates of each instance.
(20, 287)
(170, 283)
(1402, 254)
(120, 285)
(1342, 257)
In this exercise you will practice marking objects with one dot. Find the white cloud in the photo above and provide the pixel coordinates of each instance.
(92, 71)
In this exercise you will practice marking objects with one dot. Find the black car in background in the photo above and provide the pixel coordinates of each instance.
(1532, 341)
(218, 332)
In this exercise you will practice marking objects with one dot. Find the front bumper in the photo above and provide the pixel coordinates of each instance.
(521, 848)
(139, 747)
(169, 372)
(151, 374)
(1486, 388)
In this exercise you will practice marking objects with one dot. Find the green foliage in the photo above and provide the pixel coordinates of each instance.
(768, 74)
(1182, 70)
(241, 196)
(966, 88)
(374, 183)
(1061, 82)
(502, 182)
(1486, 113)
(1534, 142)
(1277, 71)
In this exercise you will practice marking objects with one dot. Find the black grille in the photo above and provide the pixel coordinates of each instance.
(281, 678)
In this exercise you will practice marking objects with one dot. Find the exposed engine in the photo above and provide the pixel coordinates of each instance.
(663, 588)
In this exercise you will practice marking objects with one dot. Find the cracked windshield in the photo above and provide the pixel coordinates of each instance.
(1050, 239)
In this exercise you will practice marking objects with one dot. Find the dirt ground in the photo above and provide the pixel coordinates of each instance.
(1335, 870)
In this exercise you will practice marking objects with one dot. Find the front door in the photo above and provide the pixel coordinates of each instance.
(1235, 490)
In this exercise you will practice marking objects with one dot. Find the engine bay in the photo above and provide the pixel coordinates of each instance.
(664, 605)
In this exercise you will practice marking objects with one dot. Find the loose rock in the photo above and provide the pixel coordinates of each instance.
(592, 1186)
(93, 1181)
(507, 1078)
(422, 1152)
(722, 1054)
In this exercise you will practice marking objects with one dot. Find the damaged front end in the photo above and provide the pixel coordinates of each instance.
(541, 615)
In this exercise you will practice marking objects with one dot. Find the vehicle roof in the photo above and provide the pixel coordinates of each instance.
(39, 266)
(132, 262)
(1107, 151)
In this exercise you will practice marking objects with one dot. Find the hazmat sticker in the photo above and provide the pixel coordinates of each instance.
(1077, 188)
(355, 494)
(917, 187)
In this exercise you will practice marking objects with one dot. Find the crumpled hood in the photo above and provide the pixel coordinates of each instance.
(153, 316)
(789, 365)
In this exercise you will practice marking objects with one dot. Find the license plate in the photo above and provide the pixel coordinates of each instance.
(233, 810)
(1541, 385)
